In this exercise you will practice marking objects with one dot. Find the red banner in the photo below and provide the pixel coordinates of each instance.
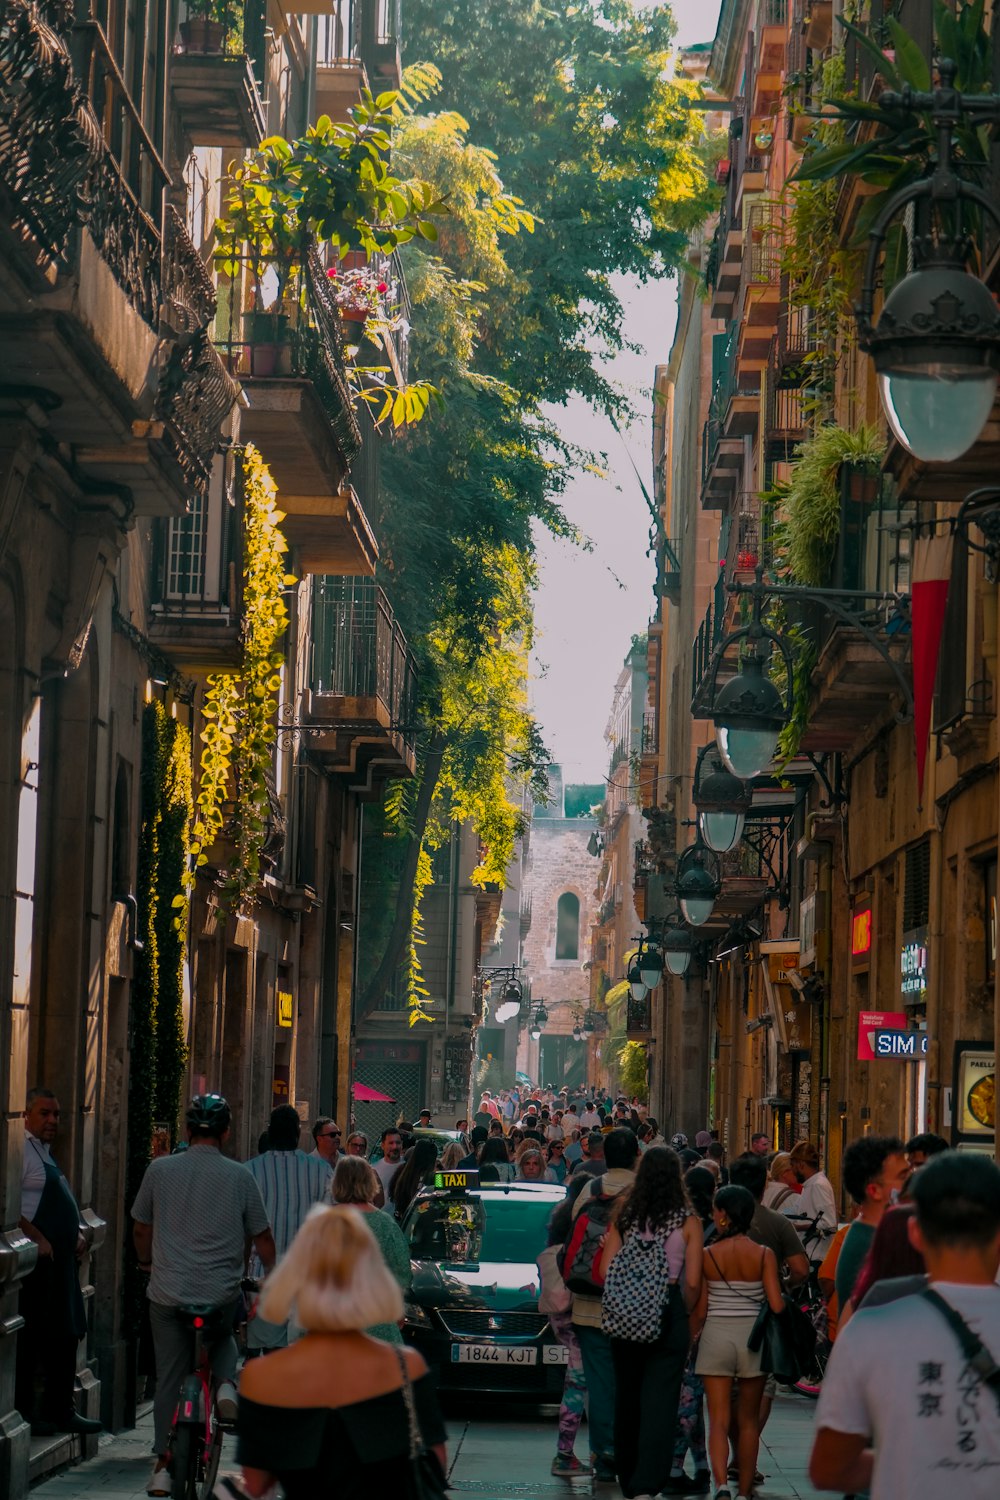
(928, 601)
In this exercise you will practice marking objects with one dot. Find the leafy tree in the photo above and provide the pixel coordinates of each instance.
(582, 162)
(593, 133)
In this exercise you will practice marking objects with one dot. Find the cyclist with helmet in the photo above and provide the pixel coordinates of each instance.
(193, 1215)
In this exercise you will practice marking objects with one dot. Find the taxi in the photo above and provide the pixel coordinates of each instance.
(472, 1310)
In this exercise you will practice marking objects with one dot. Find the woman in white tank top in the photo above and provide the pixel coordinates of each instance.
(738, 1277)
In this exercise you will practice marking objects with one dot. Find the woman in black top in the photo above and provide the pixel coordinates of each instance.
(326, 1418)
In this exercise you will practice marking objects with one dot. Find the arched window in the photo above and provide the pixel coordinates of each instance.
(568, 926)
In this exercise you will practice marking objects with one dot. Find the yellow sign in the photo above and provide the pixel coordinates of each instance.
(284, 1008)
(456, 1180)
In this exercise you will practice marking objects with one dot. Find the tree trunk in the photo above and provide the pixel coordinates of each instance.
(399, 934)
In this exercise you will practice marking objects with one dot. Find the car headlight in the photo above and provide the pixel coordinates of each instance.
(416, 1316)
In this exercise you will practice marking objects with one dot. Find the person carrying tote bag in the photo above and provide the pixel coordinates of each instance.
(652, 1267)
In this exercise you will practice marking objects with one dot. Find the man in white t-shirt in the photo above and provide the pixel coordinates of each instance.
(902, 1411)
(590, 1119)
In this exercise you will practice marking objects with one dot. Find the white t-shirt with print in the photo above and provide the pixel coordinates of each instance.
(897, 1374)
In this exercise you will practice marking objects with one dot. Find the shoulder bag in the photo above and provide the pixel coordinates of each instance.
(976, 1353)
(427, 1478)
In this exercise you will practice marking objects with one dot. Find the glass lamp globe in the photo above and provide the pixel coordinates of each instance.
(506, 1011)
(678, 961)
(697, 910)
(650, 968)
(721, 831)
(936, 352)
(535, 1032)
(749, 715)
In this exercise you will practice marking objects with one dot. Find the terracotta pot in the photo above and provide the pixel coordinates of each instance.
(354, 315)
(265, 332)
(202, 35)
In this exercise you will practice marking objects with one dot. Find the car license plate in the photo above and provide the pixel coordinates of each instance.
(494, 1354)
(555, 1354)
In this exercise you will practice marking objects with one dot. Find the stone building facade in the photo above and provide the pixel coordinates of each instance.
(559, 883)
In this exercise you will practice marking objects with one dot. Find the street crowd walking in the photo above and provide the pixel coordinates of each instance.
(682, 1284)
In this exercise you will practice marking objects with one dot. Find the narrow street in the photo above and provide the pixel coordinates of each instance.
(505, 1453)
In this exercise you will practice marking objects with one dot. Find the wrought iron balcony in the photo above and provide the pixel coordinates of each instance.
(363, 681)
(292, 365)
(81, 216)
(639, 1019)
(196, 584)
(218, 75)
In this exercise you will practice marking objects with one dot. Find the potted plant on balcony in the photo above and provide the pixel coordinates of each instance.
(358, 292)
(208, 25)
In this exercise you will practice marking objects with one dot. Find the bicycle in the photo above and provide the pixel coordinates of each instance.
(196, 1437)
(812, 1302)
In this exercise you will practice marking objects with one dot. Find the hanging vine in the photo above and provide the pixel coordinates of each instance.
(237, 740)
(157, 1053)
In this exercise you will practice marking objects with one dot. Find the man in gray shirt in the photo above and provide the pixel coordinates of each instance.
(392, 1160)
(193, 1215)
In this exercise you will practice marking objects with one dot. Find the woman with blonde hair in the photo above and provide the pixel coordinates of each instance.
(355, 1184)
(451, 1156)
(783, 1187)
(328, 1417)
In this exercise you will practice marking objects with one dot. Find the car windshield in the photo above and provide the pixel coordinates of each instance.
(464, 1230)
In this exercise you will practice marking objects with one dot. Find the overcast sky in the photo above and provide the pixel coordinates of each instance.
(590, 604)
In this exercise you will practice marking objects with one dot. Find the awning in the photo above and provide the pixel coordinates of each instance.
(364, 1095)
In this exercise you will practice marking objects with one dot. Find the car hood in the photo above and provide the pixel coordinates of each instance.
(492, 1284)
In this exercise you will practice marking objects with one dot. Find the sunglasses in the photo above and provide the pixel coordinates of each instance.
(330, 1135)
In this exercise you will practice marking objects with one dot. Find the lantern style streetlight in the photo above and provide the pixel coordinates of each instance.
(650, 966)
(721, 800)
(748, 711)
(936, 345)
(699, 881)
(678, 946)
(637, 988)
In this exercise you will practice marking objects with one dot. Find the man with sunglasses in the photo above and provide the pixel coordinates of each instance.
(326, 1134)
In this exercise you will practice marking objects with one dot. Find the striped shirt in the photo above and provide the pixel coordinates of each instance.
(290, 1183)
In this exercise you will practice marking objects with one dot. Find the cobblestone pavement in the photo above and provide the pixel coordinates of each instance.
(499, 1457)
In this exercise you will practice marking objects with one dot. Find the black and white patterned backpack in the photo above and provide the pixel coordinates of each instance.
(637, 1288)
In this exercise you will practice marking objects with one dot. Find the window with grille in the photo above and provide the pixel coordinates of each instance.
(917, 889)
(186, 547)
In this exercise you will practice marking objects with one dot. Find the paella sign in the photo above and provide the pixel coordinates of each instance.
(974, 1092)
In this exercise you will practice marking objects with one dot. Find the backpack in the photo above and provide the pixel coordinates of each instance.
(579, 1261)
(637, 1289)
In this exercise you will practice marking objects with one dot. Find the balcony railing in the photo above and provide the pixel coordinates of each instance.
(242, 34)
(638, 1019)
(304, 341)
(764, 243)
(359, 651)
(650, 738)
(710, 633)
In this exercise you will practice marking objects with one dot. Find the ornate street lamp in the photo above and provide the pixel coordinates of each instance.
(637, 989)
(699, 881)
(510, 1001)
(936, 345)
(538, 1022)
(748, 711)
(650, 966)
(721, 799)
(678, 946)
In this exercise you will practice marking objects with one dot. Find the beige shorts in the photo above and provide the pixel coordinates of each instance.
(722, 1348)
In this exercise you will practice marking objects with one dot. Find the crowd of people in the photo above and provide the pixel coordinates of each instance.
(664, 1267)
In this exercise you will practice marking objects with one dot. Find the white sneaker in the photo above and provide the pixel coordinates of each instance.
(159, 1481)
(225, 1402)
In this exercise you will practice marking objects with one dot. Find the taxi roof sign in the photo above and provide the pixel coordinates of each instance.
(456, 1179)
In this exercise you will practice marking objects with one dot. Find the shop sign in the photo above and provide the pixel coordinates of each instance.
(280, 1084)
(870, 1023)
(861, 933)
(974, 1097)
(913, 966)
(911, 1046)
(284, 1008)
(791, 1013)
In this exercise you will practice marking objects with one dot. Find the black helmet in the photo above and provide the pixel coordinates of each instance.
(209, 1114)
